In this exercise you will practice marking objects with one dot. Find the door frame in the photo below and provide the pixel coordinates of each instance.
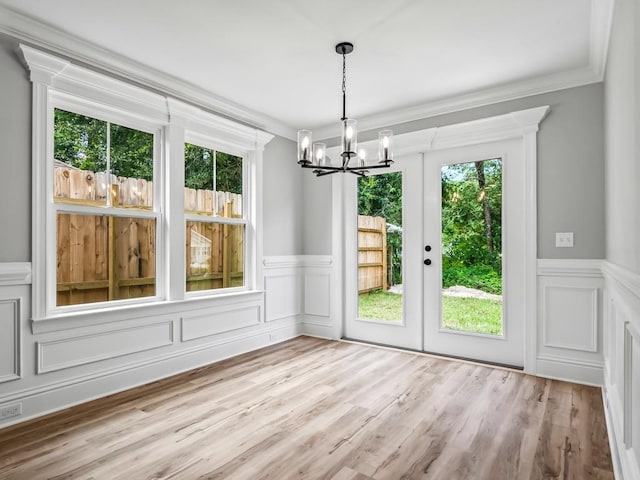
(521, 124)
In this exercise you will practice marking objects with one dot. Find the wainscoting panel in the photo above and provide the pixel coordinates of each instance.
(580, 304)
(10, 360)
(569, 330)
(75, 351)
(317, 299)
(283, 294)
(216, 321)
(622, 363)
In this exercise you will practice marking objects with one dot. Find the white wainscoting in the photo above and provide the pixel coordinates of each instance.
(302, 286)
(69, 361)
(569, 313)
(283, 287)
(206, 323)
(622, 368)
(10, 359)
(79, 350)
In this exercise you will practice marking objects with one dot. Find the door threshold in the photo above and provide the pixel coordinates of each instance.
(436, 355)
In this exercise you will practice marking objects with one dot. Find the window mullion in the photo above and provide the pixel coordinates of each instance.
(175, 272)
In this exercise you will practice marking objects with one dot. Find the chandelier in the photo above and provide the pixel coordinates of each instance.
(314, 155)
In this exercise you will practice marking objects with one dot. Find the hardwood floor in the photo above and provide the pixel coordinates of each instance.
(319, 409)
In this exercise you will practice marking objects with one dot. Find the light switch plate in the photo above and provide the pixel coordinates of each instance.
(564, 239)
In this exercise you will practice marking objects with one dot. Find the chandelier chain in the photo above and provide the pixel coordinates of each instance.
(344, 74)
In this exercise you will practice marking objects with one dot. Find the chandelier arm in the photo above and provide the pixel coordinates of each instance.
(323, 167)
(322, 173)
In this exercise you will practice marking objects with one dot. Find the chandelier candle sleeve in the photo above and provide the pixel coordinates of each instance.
(385, 146)
(349, 136)
(304, 146)
(362, 157)
(319, 153)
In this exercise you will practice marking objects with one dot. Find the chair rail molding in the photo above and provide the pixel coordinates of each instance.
(15, 273)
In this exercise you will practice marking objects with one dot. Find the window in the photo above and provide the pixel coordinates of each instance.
(137, 197)
(215, 221)
(105, 221)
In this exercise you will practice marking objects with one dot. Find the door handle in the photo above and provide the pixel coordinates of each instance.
(427, 261)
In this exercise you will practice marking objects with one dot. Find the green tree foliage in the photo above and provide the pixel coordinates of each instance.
(198, 167)
(471, 221)
(381, 196)
(228, 173)
(199, 171)
(131, 153)
(469, 214)
(81, 142)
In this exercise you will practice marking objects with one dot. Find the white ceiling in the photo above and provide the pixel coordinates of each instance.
(276, 58)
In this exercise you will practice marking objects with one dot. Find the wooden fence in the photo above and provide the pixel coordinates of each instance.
(101, 257)
(372, 254)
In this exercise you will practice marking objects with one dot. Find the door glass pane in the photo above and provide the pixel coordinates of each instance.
(472, 247)
(380, 247)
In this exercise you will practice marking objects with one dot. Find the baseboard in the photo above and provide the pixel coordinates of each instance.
(318, 330)
(570, 370)
(42, 400)
(625, 466)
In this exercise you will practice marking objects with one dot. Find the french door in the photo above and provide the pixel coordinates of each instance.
(485, 322)
(400, 324)
(431, 317)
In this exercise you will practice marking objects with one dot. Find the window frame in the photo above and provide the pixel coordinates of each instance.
(83, 106)
(59, 83)
(204, 141)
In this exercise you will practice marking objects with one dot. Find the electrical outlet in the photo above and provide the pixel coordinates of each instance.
(564, 239)
(11, 411)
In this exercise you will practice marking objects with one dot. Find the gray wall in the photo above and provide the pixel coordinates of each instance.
(282, 177)
(570, 171)
(282, 208)
(622, 132)
(15, 156)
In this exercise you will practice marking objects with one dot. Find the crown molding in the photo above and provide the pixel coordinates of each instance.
(42, 35)
(502, 93)
(601, 23)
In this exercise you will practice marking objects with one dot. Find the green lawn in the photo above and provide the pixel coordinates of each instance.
(380, 305)
(472, 314)
(458, 313)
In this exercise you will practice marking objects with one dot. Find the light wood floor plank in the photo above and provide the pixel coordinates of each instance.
(318, 409)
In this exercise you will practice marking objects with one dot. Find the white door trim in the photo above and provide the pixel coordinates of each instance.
(518, 124)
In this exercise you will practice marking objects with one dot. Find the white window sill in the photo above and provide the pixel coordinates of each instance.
(99, 316)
